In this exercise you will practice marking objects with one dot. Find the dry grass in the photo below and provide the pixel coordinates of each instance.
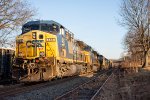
(132, 86)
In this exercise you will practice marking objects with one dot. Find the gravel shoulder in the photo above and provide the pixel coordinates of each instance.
(51, 92)
(128, 86)
(124, 86)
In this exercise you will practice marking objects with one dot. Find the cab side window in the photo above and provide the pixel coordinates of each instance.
(55, 28)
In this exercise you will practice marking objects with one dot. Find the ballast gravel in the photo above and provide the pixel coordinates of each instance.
(50, 92)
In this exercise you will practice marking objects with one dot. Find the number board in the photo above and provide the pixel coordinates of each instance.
(50, 40)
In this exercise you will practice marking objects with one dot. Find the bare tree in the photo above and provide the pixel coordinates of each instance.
(134, 15)
(13, 13)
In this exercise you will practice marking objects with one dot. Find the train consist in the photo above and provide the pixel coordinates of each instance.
(47, 50)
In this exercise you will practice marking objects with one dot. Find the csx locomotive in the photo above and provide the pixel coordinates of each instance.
(47, 50)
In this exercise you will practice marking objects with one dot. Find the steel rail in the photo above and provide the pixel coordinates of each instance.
(26, 88)
(93, 98)
(71, 91)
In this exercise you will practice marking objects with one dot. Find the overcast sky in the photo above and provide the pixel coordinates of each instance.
(93, 21)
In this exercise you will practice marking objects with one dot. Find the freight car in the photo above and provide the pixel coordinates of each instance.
(47, 50)
(6, 59)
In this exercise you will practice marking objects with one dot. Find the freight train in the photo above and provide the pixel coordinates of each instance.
(47, 50)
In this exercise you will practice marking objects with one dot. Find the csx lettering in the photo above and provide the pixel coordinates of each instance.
(34, 43)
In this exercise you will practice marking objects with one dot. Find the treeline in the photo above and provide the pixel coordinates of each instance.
(135, 17)
(13, 13)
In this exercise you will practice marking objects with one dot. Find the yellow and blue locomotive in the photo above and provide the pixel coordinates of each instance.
(46, 50)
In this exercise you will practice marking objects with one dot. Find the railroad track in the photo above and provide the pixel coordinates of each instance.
(89, 90)
(26, 88)
(12, 91)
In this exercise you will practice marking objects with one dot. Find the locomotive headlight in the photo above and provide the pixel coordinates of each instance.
(34, 35)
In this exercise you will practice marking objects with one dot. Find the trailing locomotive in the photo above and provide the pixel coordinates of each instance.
(47, 50)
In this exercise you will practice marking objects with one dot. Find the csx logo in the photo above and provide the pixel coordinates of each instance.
(34, 43)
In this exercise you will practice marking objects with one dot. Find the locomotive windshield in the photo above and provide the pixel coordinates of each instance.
(28, 28)
(43, 27)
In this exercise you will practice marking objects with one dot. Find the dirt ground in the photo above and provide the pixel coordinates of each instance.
(128, 86)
